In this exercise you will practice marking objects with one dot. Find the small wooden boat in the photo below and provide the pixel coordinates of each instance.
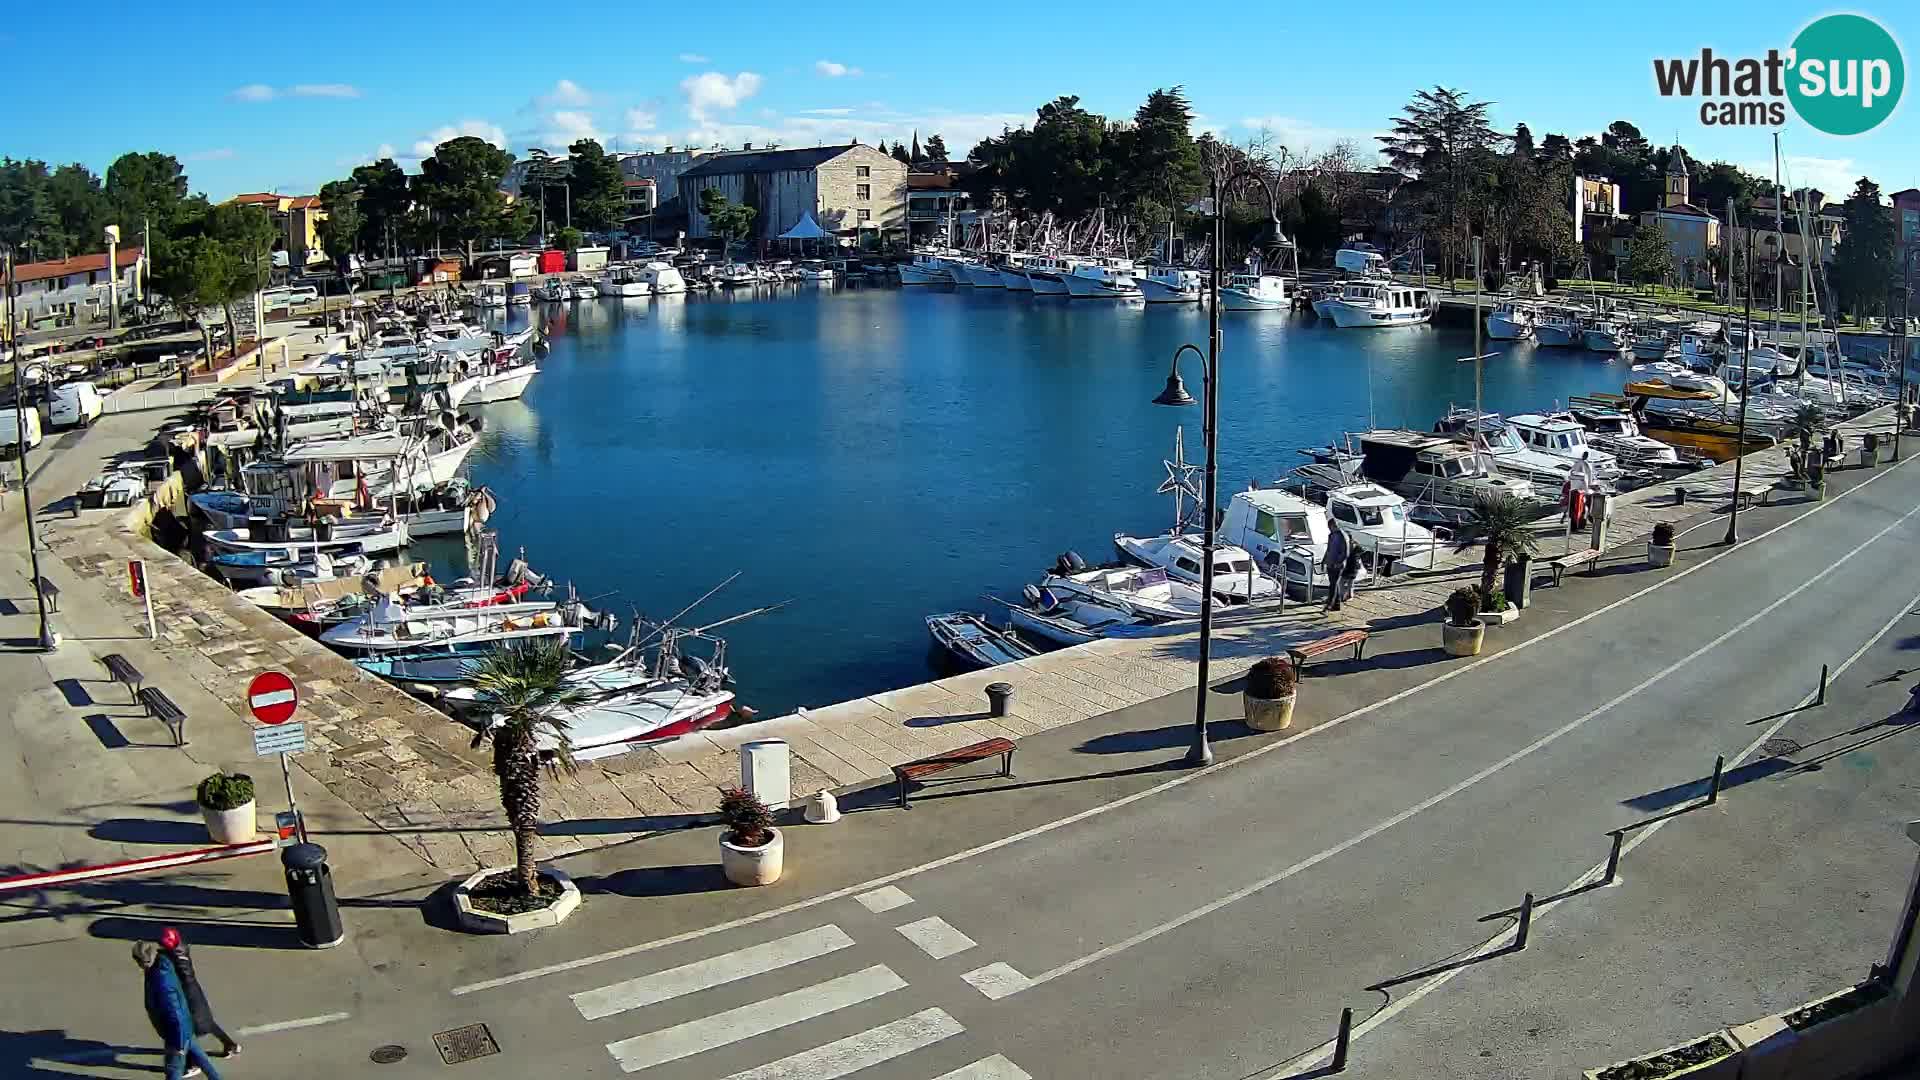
(972, 640)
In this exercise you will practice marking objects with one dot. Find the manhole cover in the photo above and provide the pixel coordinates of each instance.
(465, 1043)
(388, 1054)
(1780, 748)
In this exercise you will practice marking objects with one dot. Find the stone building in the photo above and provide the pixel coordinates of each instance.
(853, 191)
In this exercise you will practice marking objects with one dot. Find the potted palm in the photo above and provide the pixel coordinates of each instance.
(1501, 522)
(226, 805)
(1271, 685)
(1463, 633)
(751, 851)
(527, 691)
(1660, 546)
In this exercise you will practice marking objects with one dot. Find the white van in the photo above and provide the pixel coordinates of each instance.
(10, 424)
(74, 404)
(285, 299)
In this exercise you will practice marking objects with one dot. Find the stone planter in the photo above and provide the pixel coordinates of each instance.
(1766, 1048)
(752, 865)
(488, 922)
(1499, 618)
(1852, 1042)
(1268, 714)
(1725, 1067)
(235, 826)
(1463, 640)
(1659, 555)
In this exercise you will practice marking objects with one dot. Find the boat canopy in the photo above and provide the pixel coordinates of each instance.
(379, 447)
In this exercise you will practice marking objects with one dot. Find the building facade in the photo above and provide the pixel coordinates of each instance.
(1691, 230)
(1906, 223)
(74, 291)
(297, 219)
(854, 191)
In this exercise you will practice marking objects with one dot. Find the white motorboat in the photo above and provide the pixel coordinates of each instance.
(1616, 432)
(661, 278)
(1510, 320)
(490, 294)
(552, 291)
(622, 281)
(287, 565)
(502, 383)
(1363, 259)
(1441, 476)
(815, 271)
(1013, 272)
(1374, 304)
(372, 536)
(1147, 592)
(980, 273)
(584, 290)
(1285, 534)
(1375, 521)
(1559, 326)
(391, 627)
(926, 268)
(1605, 335)
(1102, 279)
(1235, 578)
(1546, 468)
(1047, 274)
(1254, 292)
(1172, 285)
(1066, 620)
(735, 275)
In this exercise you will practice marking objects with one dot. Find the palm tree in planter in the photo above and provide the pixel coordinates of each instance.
(1503, 524)
(528, 693)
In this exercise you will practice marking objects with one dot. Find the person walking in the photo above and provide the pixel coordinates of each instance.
(167, 1010)
(1336, 564)
(1351, 576)
(197, 1008)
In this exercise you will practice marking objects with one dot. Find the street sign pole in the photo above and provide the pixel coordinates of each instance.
(273, 698)
(286, 777)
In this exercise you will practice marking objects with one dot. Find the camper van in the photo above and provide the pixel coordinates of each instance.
(74, 404)
(11, 422)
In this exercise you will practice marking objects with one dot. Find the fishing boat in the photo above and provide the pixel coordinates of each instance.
(1559, 326)
(1013, 271)
(1381, 304)
(490, 294)
(1047, 274)
(1254, 292)
(1150, 593)
(1103, 279)
(661, 278)
(391, 631)
(1235, 578)
(1068, 620)
(374, 536)
(287, 565)
(1172, 285)
(973, 641)
(926, 268)
(623, 281)
(1606, 335)
(1511, 320)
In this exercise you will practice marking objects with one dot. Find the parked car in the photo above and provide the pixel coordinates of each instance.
(74, 404)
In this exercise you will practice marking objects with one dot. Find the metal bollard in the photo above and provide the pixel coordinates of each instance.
(999, 699)
(1613, 857)
(1719, 766)
(1342, 1041)
(1821, 698)
(1526, 922)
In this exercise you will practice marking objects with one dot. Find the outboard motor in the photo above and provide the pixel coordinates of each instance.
(1076, 562)
(1032, 595)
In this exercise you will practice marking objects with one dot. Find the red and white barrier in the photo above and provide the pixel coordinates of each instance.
(135, 866)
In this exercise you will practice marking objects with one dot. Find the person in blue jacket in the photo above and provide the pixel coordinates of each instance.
(172, 1020)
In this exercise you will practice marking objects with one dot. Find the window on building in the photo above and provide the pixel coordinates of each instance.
(863, 170)
(865, 215)
(863, 191)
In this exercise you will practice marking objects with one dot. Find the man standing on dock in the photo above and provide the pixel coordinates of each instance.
(1336, 568)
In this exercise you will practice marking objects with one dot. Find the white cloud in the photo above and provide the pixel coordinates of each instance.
(711, 91)
(219, 154)
(960, 130)
(493, 133)
(826, 112)
(567, 126)
(1834, 177)
(834, 70)
(351, 161)
(642, 120)
(253, 92)
(692, 58)
(326, 90)
(565, 94)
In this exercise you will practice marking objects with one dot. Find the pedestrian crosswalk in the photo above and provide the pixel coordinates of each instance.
(814, 958)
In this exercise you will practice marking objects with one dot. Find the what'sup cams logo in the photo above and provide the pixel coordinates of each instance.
(1843, 75)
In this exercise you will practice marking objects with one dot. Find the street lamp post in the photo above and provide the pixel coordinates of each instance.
(1740, 439)
(1900, 344)
(1200, 753)
(20, 406)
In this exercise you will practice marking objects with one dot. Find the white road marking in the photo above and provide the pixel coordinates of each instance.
(876, 884)
(1640, 836)
(291, 1025)
(997, 981)
(758, 1018)
(988, 1068)
(713, 971)
(884, 899)
(1432, 801)
(855, 1052)
(936, 937)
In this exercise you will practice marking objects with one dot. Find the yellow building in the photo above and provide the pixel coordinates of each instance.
(298, 219)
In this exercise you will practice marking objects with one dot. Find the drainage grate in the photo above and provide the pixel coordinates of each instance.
(388, 1054)
(465, 1044)
(1780, 748)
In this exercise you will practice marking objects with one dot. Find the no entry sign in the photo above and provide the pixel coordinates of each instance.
(272, 697)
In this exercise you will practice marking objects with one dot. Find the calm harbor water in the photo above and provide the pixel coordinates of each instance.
(877, 455)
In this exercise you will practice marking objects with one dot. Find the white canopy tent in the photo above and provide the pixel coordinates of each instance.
(805, 229)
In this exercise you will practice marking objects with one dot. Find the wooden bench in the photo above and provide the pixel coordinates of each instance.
(1561, 565)
(48, 592)
(1308, 650)
(161, 708)
(953, 759)
(1752, 493)
(122, 671)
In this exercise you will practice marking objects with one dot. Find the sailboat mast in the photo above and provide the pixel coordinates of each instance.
(1477, 361)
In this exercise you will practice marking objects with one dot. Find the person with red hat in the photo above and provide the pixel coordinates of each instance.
(202, 1013)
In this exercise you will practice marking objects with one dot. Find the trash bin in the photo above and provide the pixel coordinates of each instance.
(1519, 582)
(316, 914)
(999, 698)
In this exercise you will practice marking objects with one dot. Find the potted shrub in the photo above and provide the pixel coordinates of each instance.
(1463, 633)
(1660, 546)
(750, 847)
(526, 689)
(1268, 698)
(1495, 610)
(226, 804)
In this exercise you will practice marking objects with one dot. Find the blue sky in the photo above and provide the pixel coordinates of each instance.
(254, 97)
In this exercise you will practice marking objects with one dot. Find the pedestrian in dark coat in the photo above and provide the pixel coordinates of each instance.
(167, 1010)
(1337, 545)
(202, 1013)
